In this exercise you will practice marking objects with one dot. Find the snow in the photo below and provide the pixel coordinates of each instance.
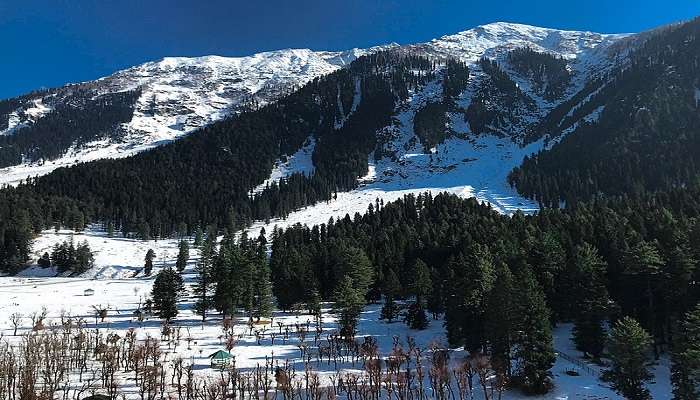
(180, 95)
(122, 294)
(299, 162)
(15, 122)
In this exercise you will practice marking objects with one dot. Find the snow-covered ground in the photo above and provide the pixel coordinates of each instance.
(124, 294)
(299, 162)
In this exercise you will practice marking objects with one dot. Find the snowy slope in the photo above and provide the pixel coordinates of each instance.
(469, 164)
(178, 95)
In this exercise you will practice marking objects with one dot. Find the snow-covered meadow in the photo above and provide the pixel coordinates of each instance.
(119, 286)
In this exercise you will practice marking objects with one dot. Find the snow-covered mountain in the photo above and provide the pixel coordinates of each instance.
(178, 95)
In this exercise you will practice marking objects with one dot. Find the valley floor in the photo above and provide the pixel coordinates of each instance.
(119, 286)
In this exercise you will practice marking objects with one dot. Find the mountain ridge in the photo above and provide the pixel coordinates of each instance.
(182, 94)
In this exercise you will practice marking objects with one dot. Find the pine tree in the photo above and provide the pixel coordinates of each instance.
(166, 291)
(84, 259)
(421, 284)
(391, 287)
(685, 358)
(533, 343)
(183, 255)
(148, 266)
(198, 236)
(314, 303)
(390, 310)
(203, 279)
(354, 263)
(263, 287)
(644, 261)
(415, 316)
(45, 260)
(628, 347)
(348, 303)
(500, 318)
(592, 301)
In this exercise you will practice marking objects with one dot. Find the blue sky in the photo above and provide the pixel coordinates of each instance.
(48, 43)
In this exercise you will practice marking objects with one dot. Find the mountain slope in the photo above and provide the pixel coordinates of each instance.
(646, 136)
(172, 97)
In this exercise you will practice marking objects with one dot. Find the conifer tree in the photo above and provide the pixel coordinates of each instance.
(592, 301)
(644, 261)
(263, 287)
(533, 343)
(203, 279)
(183, 255)
(198, 236)
(354, 263)
(628, 347)
(166, 291)
(421, 284)
(314, 303)
(84, 259)
(685, 358)
(391, 288)
(500, 323)
(348, 302)
(148, 266)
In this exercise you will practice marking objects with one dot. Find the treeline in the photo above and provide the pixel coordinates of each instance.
(79, 117)
(500, 281)
(647, 136)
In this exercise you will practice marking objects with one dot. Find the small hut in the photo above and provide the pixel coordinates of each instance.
(88, 292)
(220, 359)
(97, 397)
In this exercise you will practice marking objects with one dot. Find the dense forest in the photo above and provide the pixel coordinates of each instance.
(646, 138)
(500, 281)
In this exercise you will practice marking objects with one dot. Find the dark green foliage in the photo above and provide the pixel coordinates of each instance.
(500, 319)
(685, 358)
(208, 175)
(183, 255)
(44, 261)
(68, 257)
(430, 124)
(167, 289)
(148, 266)
(455, 79)
(348, 303)
(80, 117)
(421, 284)
(629, 347)
(390, 310)
(547, 72)
(202, 288)
(415, 316)
(646, 138)
(534, 351)
(591, 300)
(498, 105)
